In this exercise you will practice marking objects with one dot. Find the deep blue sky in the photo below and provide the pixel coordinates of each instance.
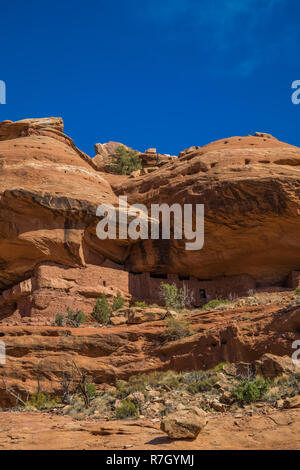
(153, 73)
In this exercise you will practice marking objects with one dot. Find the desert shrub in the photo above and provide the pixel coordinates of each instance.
(140, 304)
(77, 409)
(169, 379)
(284, 386)
(212, 304)
(199, 381)
(194, 376)
(251, 292)
(141, 382)
(118, 302)
(102, 311)
(60, 320)
(297, 291)
(134, 384)
(101, 404)
(125, 161)
(127, 410)
(219, 367)
(176, 329)
(91, 390)
(203, 386)
(169, 293)
(250, 390)
(174, 297)
(41, 401)
(75, 317)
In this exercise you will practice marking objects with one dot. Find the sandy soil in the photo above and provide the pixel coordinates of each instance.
(35, 430)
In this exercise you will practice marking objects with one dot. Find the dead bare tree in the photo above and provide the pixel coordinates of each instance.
(13, 393)
(68, 385)
(187, 297)
(82, 385)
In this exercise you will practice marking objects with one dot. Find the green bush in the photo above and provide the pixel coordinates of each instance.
(214, 304)
(91, 390)
(176, 329)
(41, 401)
(101, 312)
(125, 161)
(140, 304)
(140, 383)
(174, 297)
(203, 386)
(118, 302)
(251, 390)
(75, 317)
(127, 410)
(60, 319)
(297, 291)
(200, 381)
(170, 295)
(284, 386)
(219, 367)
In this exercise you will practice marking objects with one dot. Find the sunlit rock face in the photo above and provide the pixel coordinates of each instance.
(250, 187)
(49, 191)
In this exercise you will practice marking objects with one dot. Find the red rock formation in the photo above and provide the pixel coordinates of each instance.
(250, 189)
(49, 191)
(110, 354)
(150, 159)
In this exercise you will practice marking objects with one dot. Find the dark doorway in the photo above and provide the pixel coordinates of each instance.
(202, 294)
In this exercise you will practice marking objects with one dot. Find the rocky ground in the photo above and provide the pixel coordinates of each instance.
(272, 429)
(244, 340)
(242, 331)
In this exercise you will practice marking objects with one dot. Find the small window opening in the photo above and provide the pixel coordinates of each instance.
(202, 294)
(158, 276)
(183, 278)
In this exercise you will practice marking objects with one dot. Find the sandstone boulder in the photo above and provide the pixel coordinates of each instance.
(184, 424)
(135, 173)
(12, 130)
(272, 366)
(289, 320)
(269, 365)
(108, 149)
(293, 402)
(264, 135)
(136, 315)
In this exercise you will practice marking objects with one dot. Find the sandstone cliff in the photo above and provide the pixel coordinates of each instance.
(250, 187)
(50, 256)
